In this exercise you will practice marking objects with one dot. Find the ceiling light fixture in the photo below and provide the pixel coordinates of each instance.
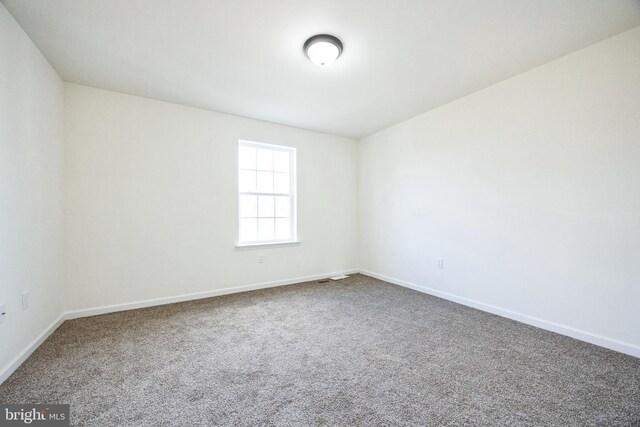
(323, 49)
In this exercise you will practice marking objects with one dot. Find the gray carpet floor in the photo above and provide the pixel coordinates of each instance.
(355, 352)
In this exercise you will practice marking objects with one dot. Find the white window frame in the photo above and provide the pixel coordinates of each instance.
(293, 195)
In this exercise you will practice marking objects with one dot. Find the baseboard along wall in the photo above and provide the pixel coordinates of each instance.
(14, 364)
(26, 352)
(74, 314)
(609, 343)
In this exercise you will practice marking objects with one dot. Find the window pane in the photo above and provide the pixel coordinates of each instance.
(246, 158)
(265, 229)
(281, 183)
(283, 208)
(283, 229)
(265, 159)
(248, 206)
(248, 230)
(281, 161)
(265, 182)
(266, 196)
(266, 206)
(247, 181)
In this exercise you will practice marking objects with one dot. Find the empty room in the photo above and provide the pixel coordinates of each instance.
(336, 213)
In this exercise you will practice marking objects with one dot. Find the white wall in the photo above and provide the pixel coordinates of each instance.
(31, 189)
(529, 190)
(152, 203)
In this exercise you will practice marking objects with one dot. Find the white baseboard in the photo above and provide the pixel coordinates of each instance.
(75, 314)
(26, 352)
(609, 343)
(612, 344)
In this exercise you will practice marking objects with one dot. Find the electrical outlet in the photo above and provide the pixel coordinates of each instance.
(25, 300)
(260, 258)
(439, 263)
(3, 312)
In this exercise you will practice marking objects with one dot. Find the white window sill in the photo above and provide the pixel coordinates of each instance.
(267, 245)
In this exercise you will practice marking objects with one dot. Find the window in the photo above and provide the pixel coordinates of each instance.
(267, 191)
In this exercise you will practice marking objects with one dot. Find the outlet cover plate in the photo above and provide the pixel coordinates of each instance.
(25, 300)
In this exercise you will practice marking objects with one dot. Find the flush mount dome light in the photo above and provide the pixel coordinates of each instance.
(323, 49)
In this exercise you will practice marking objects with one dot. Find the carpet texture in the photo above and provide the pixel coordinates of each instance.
(355, 352)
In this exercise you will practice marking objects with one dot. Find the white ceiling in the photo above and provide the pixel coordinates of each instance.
(401, 57)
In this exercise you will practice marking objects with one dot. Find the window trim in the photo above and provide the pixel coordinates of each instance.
(247, 246)
(293, 195)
